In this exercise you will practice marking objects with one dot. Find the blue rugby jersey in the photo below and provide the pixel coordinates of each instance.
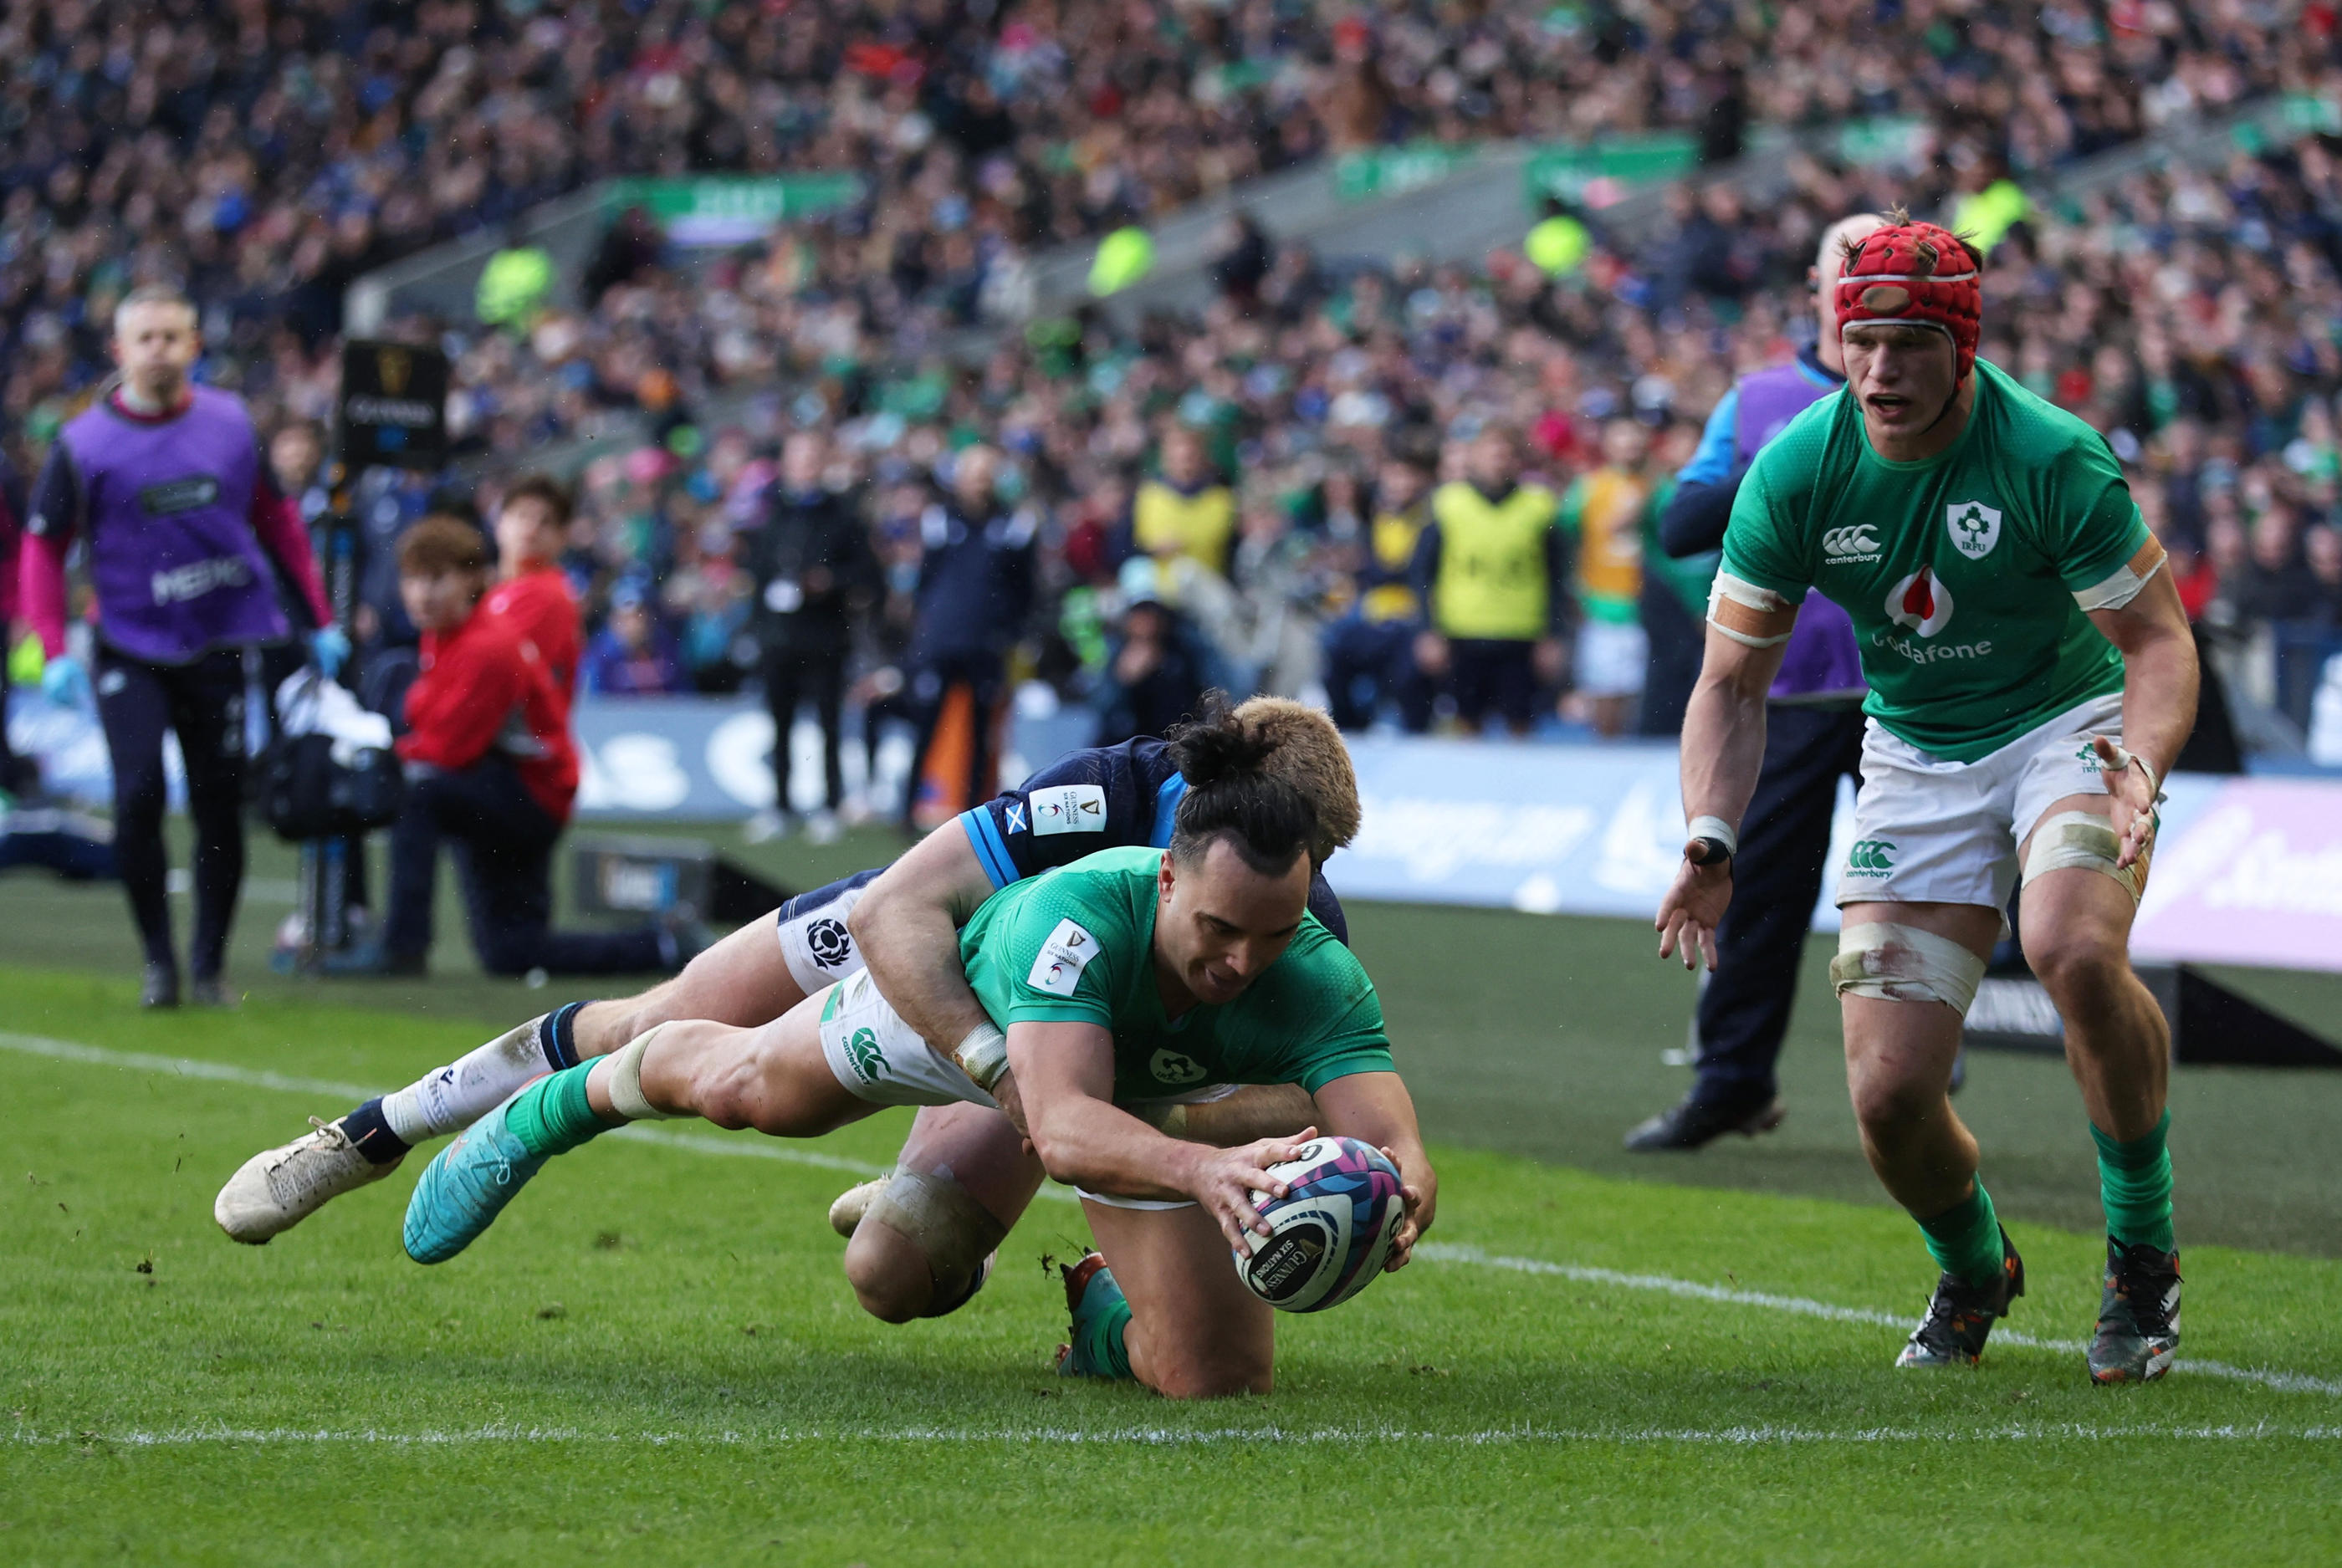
(1110, 797)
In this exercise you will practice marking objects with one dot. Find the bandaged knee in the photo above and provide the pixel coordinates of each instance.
(945, 1223)
(1904, 964)
(2085, 841)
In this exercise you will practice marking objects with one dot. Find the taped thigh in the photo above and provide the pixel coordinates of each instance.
(2083, 841)
(1904, 964)
(945, 1223)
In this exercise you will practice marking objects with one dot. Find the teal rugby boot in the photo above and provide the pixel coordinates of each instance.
(468, 1185)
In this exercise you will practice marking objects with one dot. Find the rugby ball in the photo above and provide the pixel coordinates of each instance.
(1331, 1233)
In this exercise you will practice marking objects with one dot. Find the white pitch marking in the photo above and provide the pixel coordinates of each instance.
(1173, 1437)
(1445, 1253)
(1430, 1252)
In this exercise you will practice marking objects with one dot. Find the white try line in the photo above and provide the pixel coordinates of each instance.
(1430, 1252)
(1170, 1437)
(1800, 1306)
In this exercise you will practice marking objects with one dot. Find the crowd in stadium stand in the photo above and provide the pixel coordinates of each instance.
(268, 152)
(265, 153)
(2195, 318)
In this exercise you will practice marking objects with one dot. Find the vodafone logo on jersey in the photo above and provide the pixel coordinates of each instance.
(1920, 603)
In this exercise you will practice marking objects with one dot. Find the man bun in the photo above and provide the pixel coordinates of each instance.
(1281, 741)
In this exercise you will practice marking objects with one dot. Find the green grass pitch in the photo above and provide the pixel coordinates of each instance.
(653, 1358)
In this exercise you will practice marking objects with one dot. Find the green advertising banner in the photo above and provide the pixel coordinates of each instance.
(1394, 171)
(1564, 170)
(732, 209)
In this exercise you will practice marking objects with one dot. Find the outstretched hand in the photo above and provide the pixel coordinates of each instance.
(1227, 1179)
(2131, 790)
(1691, 910)
(1418, 1219)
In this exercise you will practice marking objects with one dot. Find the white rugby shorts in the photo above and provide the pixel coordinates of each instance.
(815, 944)
(878, 1057)
(1613, 659)
(1927, 830)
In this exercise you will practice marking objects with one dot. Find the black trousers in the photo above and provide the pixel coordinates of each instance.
(202, 703)
(1485, 673)
(1368, 662)
(793, 678)
(503, 841)
(18, 775)
(930, 685)
(1776, 876)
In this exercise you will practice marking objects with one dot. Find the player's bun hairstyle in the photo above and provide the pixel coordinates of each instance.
(1272, 777)
(441, 544)
(543, 487)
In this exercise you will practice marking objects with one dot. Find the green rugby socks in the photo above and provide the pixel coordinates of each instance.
(2135, 1184)
(552, 1115)
(1965, 1239)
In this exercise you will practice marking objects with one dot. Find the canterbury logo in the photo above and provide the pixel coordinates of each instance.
(1870, 857)
(1840, 542)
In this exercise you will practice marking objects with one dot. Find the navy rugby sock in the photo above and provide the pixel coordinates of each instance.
(366, 1129)
(557, 1036)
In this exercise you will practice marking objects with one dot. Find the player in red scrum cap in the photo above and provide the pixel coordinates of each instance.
(2031, 678)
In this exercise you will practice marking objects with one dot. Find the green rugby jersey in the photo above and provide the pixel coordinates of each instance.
(1077, 944)
(1959, 571)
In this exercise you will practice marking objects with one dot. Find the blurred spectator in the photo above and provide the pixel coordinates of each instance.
(1370, 649)
(1490, 564)
(532, 591)
(2323, 549)
(811, 569)
(1155, 673)
(1605, 511)
(633, 656)
(297, 456)
(1188, 511)
(975, 591)
(631, 247)
(18, 775)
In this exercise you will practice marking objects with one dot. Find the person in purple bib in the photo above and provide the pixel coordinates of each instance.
(186, 540)
(1812, 737)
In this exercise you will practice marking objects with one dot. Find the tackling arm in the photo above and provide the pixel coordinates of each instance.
(907, 925)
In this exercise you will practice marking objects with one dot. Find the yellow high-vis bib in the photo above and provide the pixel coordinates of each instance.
(1492, 578)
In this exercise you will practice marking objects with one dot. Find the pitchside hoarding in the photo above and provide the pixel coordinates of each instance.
(2249, 870)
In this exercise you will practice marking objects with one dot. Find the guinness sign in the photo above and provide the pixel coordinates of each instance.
(394, 406)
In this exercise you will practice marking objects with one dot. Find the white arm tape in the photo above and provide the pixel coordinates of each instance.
(1749, 596)
(1716, 828)
(983, 1055)
(2119, 588)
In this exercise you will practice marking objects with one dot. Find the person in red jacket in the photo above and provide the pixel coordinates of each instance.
(532, 591)
(490, 766)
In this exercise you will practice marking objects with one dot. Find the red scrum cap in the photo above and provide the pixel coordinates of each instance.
(1913, 275)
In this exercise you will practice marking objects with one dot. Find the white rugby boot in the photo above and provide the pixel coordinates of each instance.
(850, 1205)
(278, 1188)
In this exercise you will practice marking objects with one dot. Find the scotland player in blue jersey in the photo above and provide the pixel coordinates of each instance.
(920, 1238)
